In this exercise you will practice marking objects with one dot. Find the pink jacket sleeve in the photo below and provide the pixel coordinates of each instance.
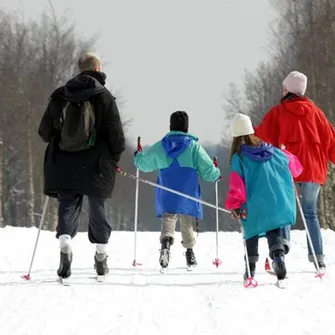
(237, 193)
(294, 164)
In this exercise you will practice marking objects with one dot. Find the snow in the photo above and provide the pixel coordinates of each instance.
(142, 301)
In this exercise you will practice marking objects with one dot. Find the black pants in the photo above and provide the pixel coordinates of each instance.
(275, 242)
(99, 228)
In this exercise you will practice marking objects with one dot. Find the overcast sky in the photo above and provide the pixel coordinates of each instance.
(170, 55)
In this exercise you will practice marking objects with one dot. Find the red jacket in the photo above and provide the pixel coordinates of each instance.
(303, 128)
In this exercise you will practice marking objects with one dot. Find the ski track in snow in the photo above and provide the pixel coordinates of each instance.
(142, 301)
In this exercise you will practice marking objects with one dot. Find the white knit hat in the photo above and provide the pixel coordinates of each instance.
(296, 82)
(241, 125)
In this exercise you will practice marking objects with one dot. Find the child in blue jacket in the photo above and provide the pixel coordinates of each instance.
(261, 192)
(180, 159)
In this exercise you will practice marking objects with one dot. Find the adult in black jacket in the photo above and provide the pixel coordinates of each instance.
(69, 176)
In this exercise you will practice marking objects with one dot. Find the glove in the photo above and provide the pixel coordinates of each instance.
(217, 180)
(236, 213)
(139, 146)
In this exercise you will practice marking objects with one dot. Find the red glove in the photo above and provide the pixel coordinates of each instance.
(236, 213)
(139, 146)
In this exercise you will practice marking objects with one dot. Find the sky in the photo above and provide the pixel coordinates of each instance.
(163, 56)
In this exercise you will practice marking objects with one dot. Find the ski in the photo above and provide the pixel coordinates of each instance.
(163, 270)
(64, 281)
(100, 278)
(281, 283)
(190, 268)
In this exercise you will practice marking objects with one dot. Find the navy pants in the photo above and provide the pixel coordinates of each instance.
(99, 228)
(275, 242)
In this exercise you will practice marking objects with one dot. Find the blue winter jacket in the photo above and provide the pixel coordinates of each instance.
(180, 159)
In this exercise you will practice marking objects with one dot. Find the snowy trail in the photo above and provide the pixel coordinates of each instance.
(142, 301)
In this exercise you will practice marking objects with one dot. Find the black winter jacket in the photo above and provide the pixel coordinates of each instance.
(89, 172)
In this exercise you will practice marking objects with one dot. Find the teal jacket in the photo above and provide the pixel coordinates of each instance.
(180, 160)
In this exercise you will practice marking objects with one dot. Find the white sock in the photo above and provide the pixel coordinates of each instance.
(65, 243)
(101, 248)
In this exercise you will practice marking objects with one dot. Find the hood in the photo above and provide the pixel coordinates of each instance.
(260, 154)
(175, 143)
(84, 86)
(298, 105)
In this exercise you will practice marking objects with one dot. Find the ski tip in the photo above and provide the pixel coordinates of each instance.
(163, 270)
(64, 281)
(101, 278)
(190, 268)
(281, 283)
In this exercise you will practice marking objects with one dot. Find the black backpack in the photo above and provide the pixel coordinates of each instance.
(77, 124)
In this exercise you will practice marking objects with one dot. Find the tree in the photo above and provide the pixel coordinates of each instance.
(36, 57)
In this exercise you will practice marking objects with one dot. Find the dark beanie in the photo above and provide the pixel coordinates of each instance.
(179, 121)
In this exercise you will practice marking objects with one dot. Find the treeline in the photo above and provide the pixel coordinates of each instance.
(38, 56)
(303, 39)
(35, 58)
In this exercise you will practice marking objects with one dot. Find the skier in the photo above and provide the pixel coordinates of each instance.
(83, 129)
(261, 192)
(299, 125)
(180, 159)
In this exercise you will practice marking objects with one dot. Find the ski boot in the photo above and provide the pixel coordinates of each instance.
(322, 266)
(64, 270)
(190, 258)
(252, 267)
(100, 264)
(165, 253)
(278, 264)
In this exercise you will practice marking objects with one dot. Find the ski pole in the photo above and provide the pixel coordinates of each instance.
(139, 148)
(129, 175)
(318, 273)
(45, 207)
(250, 282)
(217, 261)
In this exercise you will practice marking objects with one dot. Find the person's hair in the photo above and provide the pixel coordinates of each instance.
(179, 121)
(288, 96)
(251, 139)
(88, 62)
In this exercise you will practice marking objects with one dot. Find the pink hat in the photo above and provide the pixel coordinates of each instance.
(296, 82)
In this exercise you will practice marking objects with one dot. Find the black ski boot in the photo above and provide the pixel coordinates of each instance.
(100, 264)
(322, 266)
(278, 264)
(190, 258)
(252, 267)
(64, 270)
(165, 253)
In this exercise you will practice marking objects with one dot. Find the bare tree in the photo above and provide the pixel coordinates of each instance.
(36, 57)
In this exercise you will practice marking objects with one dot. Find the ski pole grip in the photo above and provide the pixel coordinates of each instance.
(139, 146)
(215, 161)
